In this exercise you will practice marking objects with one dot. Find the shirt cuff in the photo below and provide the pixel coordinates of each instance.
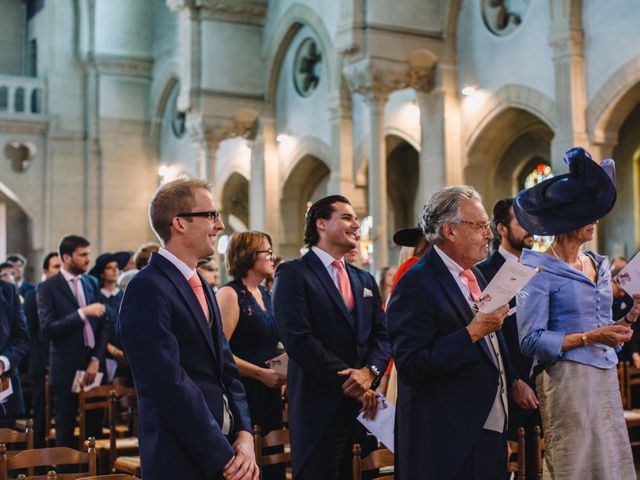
(82, 315)
(549, 346)
(5, 362)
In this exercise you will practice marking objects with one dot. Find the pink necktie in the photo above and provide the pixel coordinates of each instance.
(345, 286)
(196, 285)
(472, 282)
(87, 331)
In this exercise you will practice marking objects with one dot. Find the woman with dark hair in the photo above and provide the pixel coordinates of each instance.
(250, 327)
(565, 323)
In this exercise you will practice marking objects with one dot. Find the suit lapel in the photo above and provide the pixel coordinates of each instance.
(180, 283)
(63, 285)
(316, 266)
(456, 298)
(216, 323)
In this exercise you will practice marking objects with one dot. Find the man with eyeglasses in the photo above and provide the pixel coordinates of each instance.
(452, 406)
(193, 414)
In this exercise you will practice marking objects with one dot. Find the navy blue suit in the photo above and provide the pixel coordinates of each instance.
(446, 383)
(181, 367)
(62, 325)
(14, 344)
(322, 337)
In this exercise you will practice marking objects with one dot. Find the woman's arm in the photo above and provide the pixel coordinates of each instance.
(230, 313)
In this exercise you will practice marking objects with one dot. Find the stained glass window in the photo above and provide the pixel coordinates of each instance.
(540, 172)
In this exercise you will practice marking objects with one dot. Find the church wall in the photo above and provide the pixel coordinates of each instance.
(12, 32)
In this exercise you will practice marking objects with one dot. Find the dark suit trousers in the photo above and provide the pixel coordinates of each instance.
(332, 457)
(66, 405)
(488, 459)
(38, 406)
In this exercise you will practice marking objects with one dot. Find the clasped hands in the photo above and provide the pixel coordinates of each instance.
(358, 386)
(242, 465)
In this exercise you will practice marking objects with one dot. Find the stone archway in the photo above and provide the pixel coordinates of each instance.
(500, 151)
(235, 203)
(16, 232)
(306, 182)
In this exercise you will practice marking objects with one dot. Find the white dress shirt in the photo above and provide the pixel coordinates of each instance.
(327, 260)
(507, 254)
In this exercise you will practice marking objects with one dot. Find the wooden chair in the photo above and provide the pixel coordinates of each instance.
(97, 398)
(123, 410)
(113, 476)
(49, 457)
(275, 438)
(539, 443)
(379, 462)
(517, 458)
(128, 464)
(11, 436)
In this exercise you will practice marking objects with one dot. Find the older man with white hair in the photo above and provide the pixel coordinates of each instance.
(452, 391)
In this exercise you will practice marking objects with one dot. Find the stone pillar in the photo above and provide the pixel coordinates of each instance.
(340, 180)
(377, 176)
(204, 158)
(566, 37)
(264, 188)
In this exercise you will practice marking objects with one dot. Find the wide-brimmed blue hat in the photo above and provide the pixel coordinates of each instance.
(104, 258)
(567, 202)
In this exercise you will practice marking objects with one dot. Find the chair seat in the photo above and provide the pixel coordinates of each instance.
(128, 465)
(21, 424)
(129, 443)
(632, 418)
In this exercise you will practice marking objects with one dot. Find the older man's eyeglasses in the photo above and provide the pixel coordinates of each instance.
(269, 254)
(478, 226)
(211, 215)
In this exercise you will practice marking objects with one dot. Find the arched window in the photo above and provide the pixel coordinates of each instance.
(4, 98)
(18, 103)
(540, 172)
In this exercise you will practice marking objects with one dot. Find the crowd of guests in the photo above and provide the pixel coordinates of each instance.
(463, 381)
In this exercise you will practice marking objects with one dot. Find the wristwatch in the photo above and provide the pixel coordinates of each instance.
(375, 371)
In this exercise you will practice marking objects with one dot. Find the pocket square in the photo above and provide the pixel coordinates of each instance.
(367, 293)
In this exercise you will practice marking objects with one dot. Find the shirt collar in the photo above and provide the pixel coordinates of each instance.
(507, 254)
(324, 257)
(68, 276)
(186, 271)
(453, 267)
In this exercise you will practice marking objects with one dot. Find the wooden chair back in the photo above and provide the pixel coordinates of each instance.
(49, 457)
(113, 476)
(621, 383)
(517, 459)
(376, 460)
(275, 438)
(631, 379)
(48, 411)
(123, 406)
(11, 436)
(95, 399)
(539, 442)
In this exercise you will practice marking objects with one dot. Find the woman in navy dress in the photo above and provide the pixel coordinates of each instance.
(249, 325)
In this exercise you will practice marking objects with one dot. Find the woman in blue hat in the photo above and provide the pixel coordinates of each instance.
(565, 324)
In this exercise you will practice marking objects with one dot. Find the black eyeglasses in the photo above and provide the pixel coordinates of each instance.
(269, 253)
(211, 215)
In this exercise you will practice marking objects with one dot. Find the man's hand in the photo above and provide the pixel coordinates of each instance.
(524, 396)
(485, 323)
(93, 310)
(359, 381)
(633, 314)
(369, 404)
(242, 465)
(611, 335)
(90, 372)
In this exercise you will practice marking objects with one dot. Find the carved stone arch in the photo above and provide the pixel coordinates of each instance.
(286, 28)
(234, 166)
(507, 97)
(234, 198)
(496, 157)
(308, 146)
(160, 94)
(300, 186)
(613, 103)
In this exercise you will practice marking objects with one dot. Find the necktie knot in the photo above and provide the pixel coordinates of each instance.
(195, 282)
(472, 282)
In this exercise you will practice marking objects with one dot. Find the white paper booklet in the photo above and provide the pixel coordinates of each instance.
(629, 276)
(509, 280)
(75, 387)
(279, 364)
(382, 426)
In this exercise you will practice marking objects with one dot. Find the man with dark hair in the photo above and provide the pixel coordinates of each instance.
(331, 322)
(39, 352)
(14, 345)
(523, 402)
(193, 413)
(19, 264)
(72, 320)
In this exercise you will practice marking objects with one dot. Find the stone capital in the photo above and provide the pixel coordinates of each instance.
(236, 11)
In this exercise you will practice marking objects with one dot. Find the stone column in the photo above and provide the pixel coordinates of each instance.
(340, 180)
(376, 98)
(264, 188)
(566, 37)
(205, 160)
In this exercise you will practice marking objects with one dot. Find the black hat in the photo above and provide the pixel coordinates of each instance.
(407, 237)
(567, 202)
(104, 258)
